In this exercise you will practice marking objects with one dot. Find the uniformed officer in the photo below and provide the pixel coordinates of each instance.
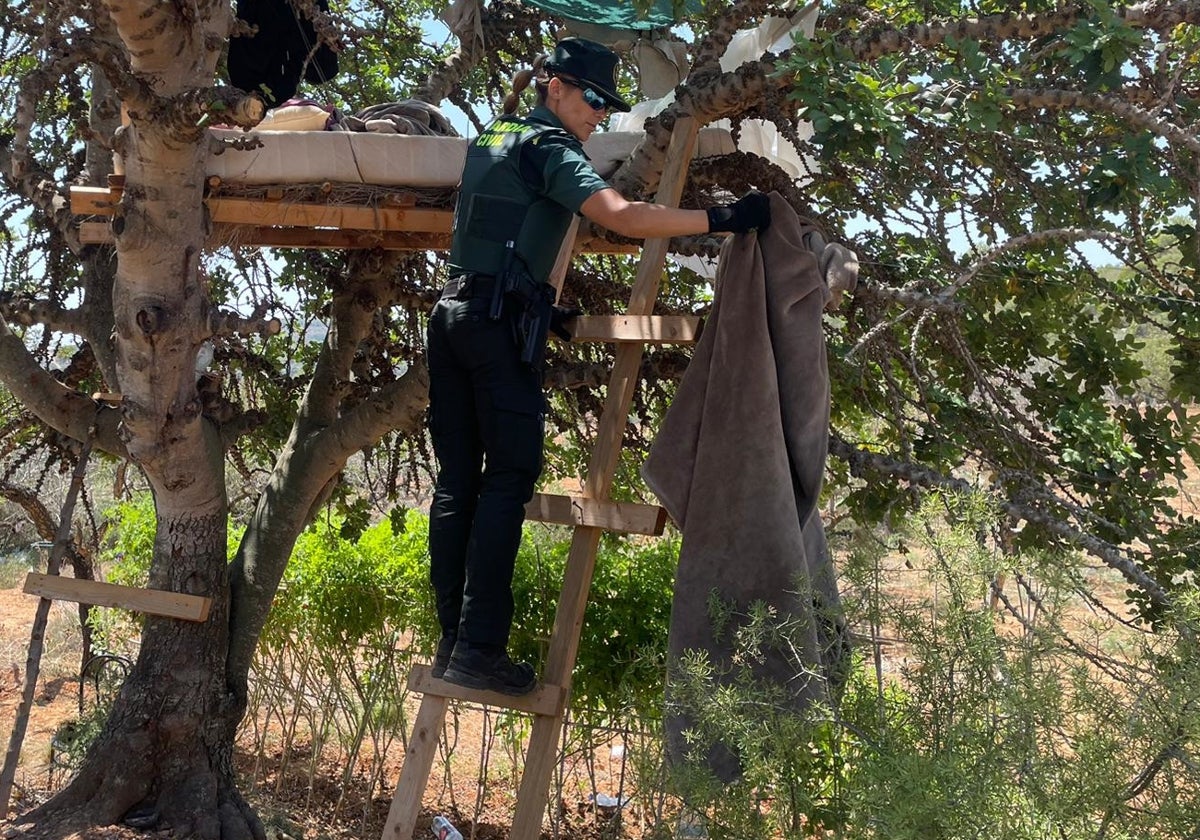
(524, 180)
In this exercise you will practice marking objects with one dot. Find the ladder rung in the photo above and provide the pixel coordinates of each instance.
(543, 700)
(153, 601)
(625, 517)
(646, 329)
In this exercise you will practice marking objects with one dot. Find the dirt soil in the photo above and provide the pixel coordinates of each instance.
(279, 799)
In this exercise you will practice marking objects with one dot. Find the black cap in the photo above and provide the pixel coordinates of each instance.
(588, 62)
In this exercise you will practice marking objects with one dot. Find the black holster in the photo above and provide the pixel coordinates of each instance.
(530, 304)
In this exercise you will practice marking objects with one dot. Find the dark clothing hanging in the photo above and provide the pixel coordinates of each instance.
(284, 50)
(738, 462)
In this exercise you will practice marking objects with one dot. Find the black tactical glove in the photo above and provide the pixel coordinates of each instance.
(559, 315)
(751, 211)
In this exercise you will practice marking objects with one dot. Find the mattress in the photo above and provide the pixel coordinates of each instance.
(364, 157)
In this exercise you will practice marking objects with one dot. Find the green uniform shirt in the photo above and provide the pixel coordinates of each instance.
(523, 180)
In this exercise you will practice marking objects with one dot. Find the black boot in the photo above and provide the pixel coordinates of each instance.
(489, 669)
(442, 657)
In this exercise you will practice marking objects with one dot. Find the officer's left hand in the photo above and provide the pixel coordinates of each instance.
(559, 316)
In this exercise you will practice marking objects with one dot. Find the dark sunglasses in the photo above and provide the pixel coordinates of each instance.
(595, 100)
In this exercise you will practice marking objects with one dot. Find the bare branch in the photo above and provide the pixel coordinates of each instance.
(1151, 15)
(189, 114)
(63, 409)
(863, 464)
(724, 27)
(1029, 240)
(1140, 117)
(28, 312)
(223, 322)
(399, 405)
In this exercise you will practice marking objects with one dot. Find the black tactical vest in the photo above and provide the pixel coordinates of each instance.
(499, 202)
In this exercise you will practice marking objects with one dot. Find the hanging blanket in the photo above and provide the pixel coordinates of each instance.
(738, 464)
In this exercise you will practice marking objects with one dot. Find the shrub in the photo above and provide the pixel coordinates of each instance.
(993, 721)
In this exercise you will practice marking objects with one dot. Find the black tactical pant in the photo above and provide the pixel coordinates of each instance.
(486, 420)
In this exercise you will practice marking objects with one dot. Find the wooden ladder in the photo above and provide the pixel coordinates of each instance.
(591, 514)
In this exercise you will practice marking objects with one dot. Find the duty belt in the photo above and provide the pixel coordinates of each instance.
(469, 286)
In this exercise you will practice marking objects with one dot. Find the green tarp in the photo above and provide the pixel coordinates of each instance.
(621, 15)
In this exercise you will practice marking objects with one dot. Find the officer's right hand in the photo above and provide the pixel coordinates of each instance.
(750, 212)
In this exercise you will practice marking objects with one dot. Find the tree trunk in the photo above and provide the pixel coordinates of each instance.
(164, 758)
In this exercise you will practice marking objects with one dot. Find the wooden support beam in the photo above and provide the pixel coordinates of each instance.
(245, 211)
(418, 761)
(558, 271)
(276, 224)
(642, 329)
(87, 201)
(94, 201)
(152, 601)
(543, 700)
(625, 517)
(259, 236)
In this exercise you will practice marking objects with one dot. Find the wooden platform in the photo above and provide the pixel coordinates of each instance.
(257, 222)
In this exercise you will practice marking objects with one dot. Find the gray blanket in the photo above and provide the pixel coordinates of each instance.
(738, 464)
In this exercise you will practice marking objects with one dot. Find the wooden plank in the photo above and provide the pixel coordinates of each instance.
(542, 751)
(264, 223)
(232, 235)
(88, 201)
(625, 517)
(152, 601)
(298, 214)
(418, 759)
(257, 236)
(544, 700)
(558, 272)
(93, 201)
(642, 329)
(603, 462)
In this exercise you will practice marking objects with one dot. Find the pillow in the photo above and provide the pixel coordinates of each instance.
(295, 118)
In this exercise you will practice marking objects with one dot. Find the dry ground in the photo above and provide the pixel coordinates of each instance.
(288, 799)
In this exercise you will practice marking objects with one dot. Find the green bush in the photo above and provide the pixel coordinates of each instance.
(337, 592)
(341, 593)
(990, 722)
(622, 647)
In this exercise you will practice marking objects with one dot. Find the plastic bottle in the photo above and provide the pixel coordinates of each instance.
(444, 830)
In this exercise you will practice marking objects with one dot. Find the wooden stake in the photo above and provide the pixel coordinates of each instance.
(37, 634)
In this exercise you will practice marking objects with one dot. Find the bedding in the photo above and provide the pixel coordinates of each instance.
(382, 159)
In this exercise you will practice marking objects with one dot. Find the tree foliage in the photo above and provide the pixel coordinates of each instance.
(976, 156)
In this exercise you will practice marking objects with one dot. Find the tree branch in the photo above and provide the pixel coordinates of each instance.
(709, 50)
(354, 304)
(222, 322)
(399, 405)
(63, 409)
(864, 464)
(1029, 240)
(1140, 117)
(189, 114)
(27, 312)
(1151, 15)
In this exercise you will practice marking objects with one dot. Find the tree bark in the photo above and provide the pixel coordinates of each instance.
(174, 712)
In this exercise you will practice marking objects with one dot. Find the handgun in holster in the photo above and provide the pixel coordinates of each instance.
(531, 327)
(531, 321)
